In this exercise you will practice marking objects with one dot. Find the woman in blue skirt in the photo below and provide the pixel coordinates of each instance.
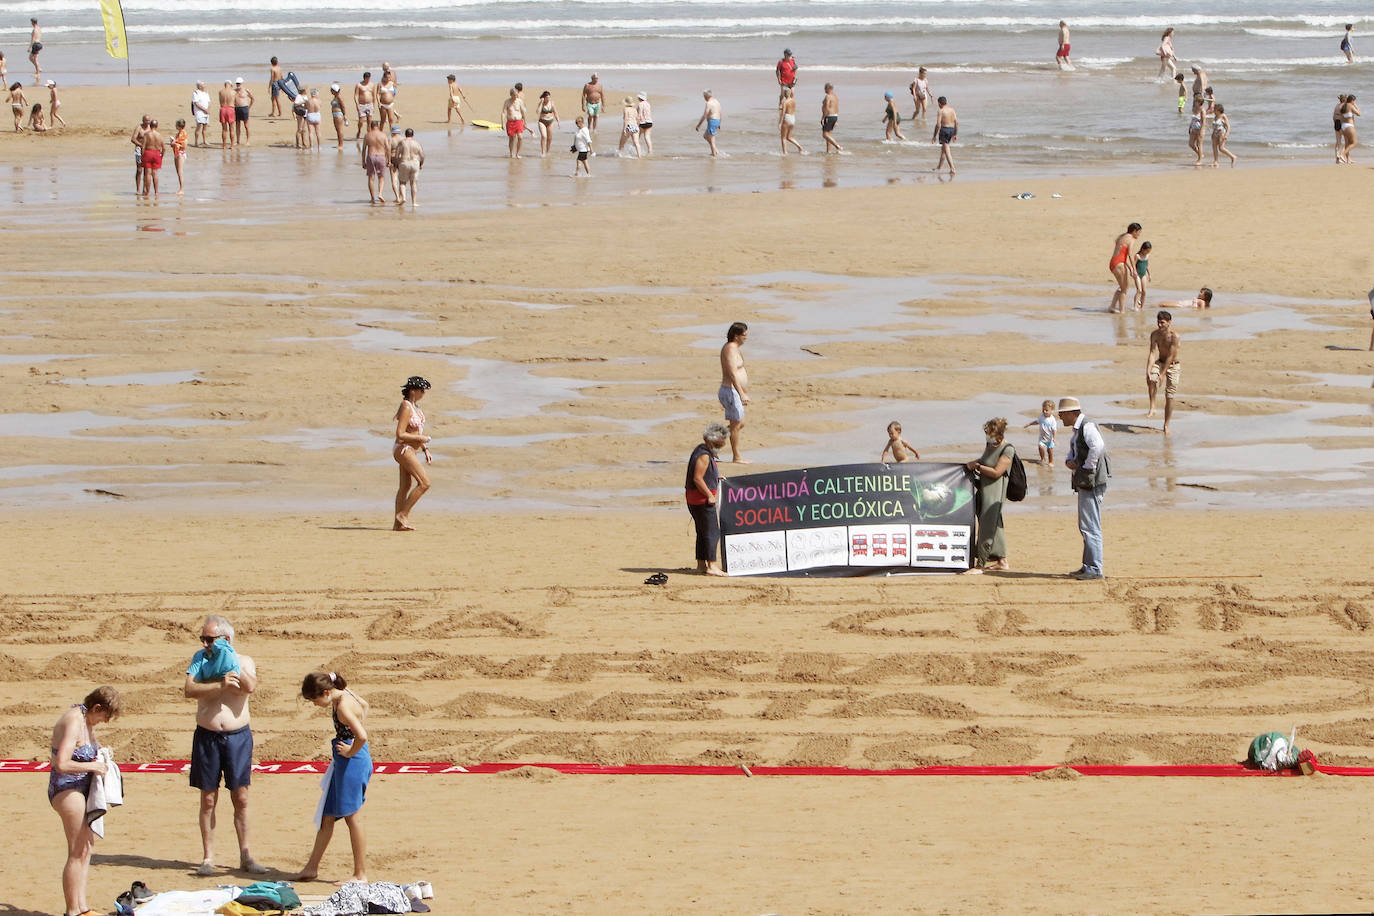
(345, 783)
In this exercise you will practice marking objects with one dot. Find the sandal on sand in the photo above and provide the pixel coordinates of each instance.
(656, 579)
(139, 891)
(205, 870)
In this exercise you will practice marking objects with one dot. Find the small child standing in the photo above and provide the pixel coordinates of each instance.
(1142, 273)
(582, 145)
(901, 449)
(1048, 424)
(179, 152)
(1182, 92)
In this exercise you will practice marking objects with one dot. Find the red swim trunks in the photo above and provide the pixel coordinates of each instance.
(226, 114)
(1063, 50)
(152, 158)
(515, 128)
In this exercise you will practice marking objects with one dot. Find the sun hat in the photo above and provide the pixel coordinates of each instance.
(422, 383)
(51, 83)
(239, 80)
(887, 95)
(333, 87)
(1068, 404)
(643, 97)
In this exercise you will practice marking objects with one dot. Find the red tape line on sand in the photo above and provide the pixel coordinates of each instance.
(317, 767)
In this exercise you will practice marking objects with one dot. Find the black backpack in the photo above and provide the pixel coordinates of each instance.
(1016, 479)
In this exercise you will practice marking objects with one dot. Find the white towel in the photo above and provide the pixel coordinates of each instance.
(324, 793)
(107, 791)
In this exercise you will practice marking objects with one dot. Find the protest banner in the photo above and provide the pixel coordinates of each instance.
(848, 520)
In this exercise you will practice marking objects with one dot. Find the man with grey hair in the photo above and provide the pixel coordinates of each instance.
(702, 486)
(220, 681)
(1088, 462)
(200, 113)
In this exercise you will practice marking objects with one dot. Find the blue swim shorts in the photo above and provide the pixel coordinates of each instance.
(729, 399)
(226, 753)
(712, 126)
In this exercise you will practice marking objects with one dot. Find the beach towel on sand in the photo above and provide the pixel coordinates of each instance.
(358, 899)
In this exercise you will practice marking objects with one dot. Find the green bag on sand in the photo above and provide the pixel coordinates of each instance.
(1271, 751)
(269, 895)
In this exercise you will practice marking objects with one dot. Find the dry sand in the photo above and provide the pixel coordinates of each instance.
(525, 635)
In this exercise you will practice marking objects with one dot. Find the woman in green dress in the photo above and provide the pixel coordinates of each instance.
(990, 551)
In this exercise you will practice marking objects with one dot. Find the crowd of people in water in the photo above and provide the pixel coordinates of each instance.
(392, 157)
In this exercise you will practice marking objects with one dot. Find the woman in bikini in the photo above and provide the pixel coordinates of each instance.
(548, 117)
(1221, 130)
(75, 758)
(1122, 266)
(1165, 53)
(1349, 112)
(410, 442)
(17, 105)
(787, 121)
(629, 130)
(350, 768)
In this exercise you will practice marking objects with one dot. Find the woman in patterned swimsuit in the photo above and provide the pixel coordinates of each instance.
(410, 440)
(75, 754)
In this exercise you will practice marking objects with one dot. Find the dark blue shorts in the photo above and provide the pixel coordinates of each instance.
(227, 753)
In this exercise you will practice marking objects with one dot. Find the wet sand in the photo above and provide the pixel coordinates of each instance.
(199, 422)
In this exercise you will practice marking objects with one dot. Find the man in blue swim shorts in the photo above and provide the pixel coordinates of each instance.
(734, 385)
(711, 118)
(946, 130)
(220, 681)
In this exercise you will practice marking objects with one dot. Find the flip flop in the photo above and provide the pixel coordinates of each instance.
(139, 892)
(657, 579)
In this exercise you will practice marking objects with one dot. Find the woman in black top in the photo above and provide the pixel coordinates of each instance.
(702, 485)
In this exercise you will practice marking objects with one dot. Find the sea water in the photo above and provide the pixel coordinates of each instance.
(1275, 64)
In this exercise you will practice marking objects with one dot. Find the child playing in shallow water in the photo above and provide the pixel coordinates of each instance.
(901, 449)
(1048, 424)
(1142, 273)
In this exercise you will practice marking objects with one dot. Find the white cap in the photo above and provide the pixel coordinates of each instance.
(334, 87)
(239, 80)
(51, 83)
(643, 97)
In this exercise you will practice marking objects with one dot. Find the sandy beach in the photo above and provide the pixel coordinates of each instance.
(199, 422)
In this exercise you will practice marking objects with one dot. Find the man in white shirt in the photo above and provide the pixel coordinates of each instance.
(1091, 468)
(200, 112)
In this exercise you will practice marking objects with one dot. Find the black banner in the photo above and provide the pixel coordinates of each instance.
(848, 520)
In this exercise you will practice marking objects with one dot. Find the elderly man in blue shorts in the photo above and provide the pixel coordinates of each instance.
(220, 681)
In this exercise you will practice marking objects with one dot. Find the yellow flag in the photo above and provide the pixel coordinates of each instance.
(116, 43)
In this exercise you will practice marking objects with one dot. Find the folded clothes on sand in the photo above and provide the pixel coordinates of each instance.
(358, 899)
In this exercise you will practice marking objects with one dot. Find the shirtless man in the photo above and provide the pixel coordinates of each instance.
(409, 158)
(375, 152)
(226, 115)
(1061, 56)
(710, 116)
(920, 94)
(1163, 361)
(946, 131)
(734, 385)
(35, 45)
(830, 114)
(362, 100)
(243, 102)
(137, 140)
(312, 118)
(152, 157)
(1199, 88)
(593, 97)
(223, 740)
(273, 77)
(513, 122)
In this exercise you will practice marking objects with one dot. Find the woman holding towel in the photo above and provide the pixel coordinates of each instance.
(345, 784)
(75, 759)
